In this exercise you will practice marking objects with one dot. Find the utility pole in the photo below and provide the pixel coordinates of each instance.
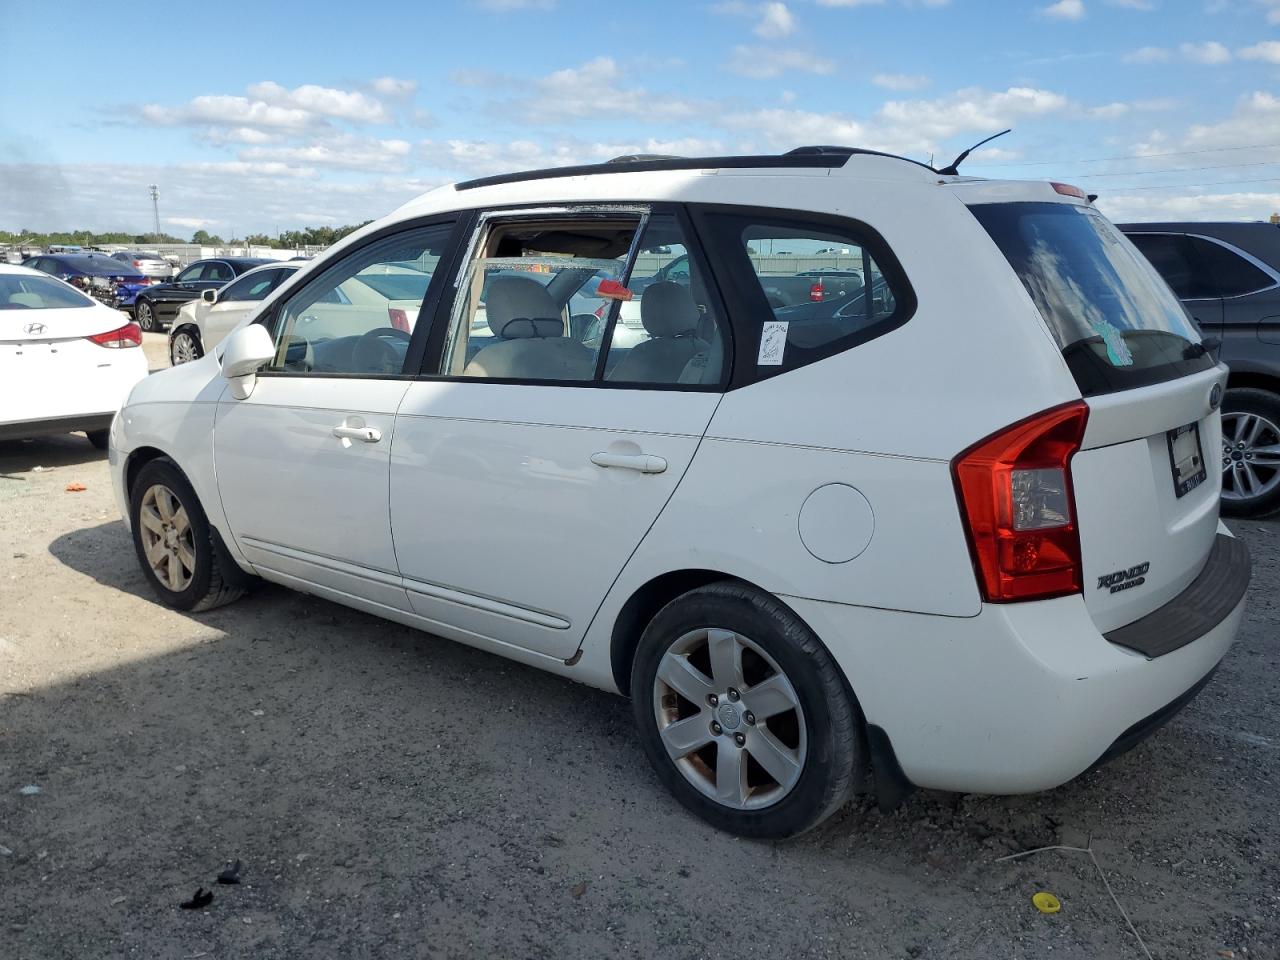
(155, 206)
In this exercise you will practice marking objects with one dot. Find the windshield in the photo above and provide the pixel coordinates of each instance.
(19, 292)
(1118, 324)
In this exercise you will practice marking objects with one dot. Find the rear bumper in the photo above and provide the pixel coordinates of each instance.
(1022, 697)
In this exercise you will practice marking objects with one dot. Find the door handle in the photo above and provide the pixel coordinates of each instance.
(365, 434)
(642, 462)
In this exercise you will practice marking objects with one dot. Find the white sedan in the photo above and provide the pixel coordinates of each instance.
(67, 362)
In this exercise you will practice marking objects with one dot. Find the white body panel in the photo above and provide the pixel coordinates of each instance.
(503, 524)
(300, 500)
(1023, 697)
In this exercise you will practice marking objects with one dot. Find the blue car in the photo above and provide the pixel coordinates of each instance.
(102, 277)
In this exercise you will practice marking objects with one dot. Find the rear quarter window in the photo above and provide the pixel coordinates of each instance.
(802, 286)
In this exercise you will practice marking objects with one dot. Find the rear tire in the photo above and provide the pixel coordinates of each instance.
(99, 438)
(743, 713)
(1250, 474)
(175, 545)
(145, 314)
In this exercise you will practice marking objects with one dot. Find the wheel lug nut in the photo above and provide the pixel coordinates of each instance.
(749, 717)
(715, 728)
(713, 699)
(733, 694)
(739, 739)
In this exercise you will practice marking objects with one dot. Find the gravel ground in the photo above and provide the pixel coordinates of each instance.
(391, 794)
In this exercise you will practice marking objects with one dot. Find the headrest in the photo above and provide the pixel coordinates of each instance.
(667, 310)
(520, 298)
(27, 299)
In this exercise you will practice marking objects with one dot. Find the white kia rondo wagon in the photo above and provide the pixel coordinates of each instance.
(948, 522)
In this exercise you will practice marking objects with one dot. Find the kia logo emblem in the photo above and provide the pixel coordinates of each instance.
(1215, 396)
(34, 328)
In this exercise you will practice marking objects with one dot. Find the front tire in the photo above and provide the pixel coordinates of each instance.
(743, 713)
(175, 544)
(1250, 453)
(145, 314)
(185, 347)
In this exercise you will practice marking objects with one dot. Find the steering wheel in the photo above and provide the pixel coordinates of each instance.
(373, 352)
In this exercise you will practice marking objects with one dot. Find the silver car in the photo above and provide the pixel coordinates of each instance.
(149, 262)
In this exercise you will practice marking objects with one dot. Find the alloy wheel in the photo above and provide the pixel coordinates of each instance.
(146, 319)
(184, 349)
(730, 719)
(1250, 456)
(167, 538)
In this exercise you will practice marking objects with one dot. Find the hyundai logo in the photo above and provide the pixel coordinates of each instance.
(1215, 396)
(34, 328)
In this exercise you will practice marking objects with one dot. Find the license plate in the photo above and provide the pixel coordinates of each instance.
(1187, 459)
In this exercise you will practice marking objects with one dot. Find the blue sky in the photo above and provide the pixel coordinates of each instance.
(272, 116)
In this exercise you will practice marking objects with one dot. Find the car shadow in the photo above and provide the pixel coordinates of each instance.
(362, 769)
(64, 450)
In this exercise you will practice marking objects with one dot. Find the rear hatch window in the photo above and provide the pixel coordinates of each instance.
(1118, 324)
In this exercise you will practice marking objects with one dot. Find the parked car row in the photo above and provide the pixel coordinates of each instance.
(823, 542)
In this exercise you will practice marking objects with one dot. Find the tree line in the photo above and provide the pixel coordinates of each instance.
(286, 240)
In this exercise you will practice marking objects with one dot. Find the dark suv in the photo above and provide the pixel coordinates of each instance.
(1228, 277)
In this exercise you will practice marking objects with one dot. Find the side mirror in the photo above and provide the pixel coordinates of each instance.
(248, 350)
(209, 296)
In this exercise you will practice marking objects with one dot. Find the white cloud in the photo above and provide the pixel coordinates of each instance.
(853, 3)
(322, 101)
(1181, 204)
(900, 81)
(588, 91)
(228, 110)
(394, 87)
(1144, 5)
(1267, 50)
(1065, 10)
(761, 62)
(247, 197)
(191, 223)
(1209, 52)
(1147, 55)
(913, 128)
(972, 110)
(469, 158)
(346, 152)
(268, 107)
(775, 21)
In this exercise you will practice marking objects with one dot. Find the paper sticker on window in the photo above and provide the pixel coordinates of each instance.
(773, 343)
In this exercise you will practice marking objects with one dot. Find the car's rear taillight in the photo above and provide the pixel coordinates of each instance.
(815, 291)
(1019, 509)
(399, 319)
(141, 281)
(130, 335)
(137, 263)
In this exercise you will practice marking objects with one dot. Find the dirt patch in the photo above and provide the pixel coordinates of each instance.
(393, 794)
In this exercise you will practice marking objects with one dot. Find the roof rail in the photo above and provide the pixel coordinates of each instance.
(815, 157)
